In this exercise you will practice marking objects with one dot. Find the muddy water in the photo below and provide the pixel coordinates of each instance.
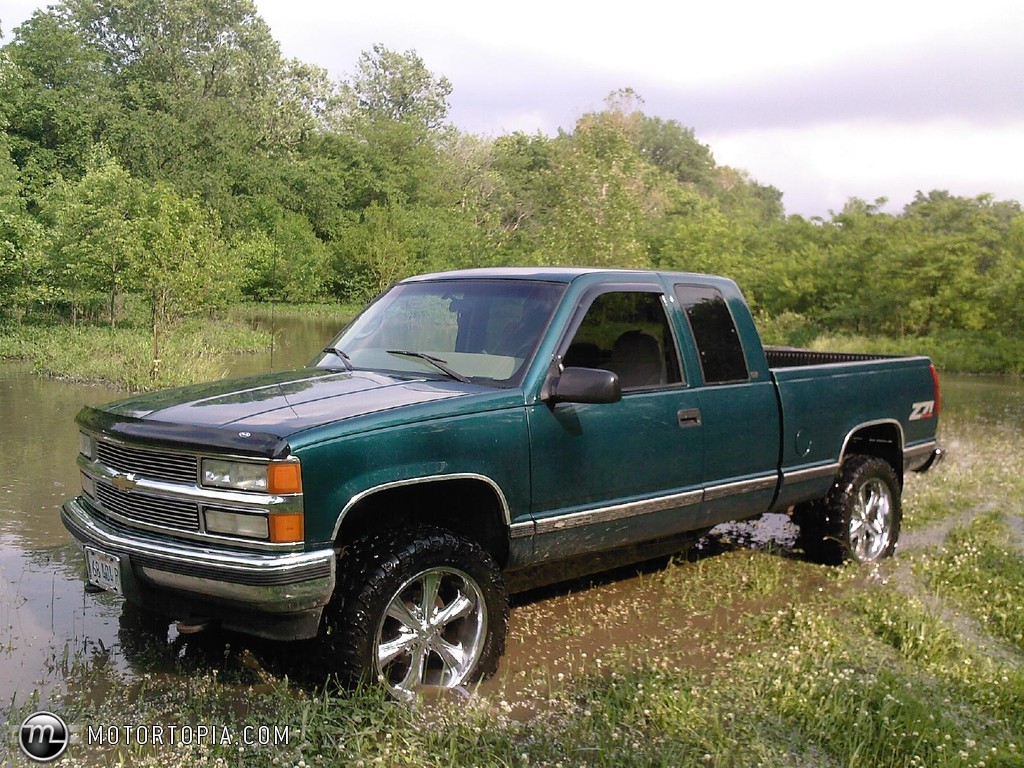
(296, 341)
(47, 620)
(43, 607)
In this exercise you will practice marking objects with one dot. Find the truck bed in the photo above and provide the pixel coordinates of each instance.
(793, 357)
(832, 401)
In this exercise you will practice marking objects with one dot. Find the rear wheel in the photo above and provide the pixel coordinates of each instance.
(419, 609)
(860, 517)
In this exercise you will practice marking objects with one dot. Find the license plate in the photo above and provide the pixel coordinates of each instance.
(104, 570)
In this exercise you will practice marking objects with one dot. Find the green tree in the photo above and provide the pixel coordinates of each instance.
(698, 237)
(955, 246)
(1005, 289)
(526, 191)
(207, 102)
(786, 270)
(186, 268)
(672, 147)
(22, 240)
(392, 87)
(57, 100)
(96, 242)
(606, 191)
(283, 261)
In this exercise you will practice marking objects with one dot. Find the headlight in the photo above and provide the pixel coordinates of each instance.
(237, 524)
(238, 475)
(85, 445)
(274, 477)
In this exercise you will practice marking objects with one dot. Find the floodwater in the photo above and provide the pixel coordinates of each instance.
(48, 622)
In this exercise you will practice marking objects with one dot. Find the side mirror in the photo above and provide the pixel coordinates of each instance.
(585, 385)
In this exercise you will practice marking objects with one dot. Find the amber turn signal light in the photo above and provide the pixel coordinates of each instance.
(286, 528)
(284, 478)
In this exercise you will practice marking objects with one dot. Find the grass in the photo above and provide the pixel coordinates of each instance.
(964, 352)
(342, 311)
(952, 350)
(980, 569)
(197, 350)
(194, 351)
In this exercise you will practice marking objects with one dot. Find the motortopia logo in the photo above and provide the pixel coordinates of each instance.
(43, 736)
(160, 735)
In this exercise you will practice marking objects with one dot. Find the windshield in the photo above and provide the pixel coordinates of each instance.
(485, 331)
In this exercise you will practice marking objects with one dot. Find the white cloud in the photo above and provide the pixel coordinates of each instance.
(819, 167)
(681, 43)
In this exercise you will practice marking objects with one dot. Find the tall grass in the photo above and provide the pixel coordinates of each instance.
(342, 311)
(953, 351)
(122, 357)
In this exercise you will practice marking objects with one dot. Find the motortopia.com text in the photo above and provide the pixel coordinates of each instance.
(183, 735)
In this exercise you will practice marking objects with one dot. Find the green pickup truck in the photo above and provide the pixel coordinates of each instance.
(469, 429)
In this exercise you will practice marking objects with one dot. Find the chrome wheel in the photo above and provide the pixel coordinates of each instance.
(860, 517)
(871, 521)
(432, 632)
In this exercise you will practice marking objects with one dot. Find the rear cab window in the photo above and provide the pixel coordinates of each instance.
(714, 332)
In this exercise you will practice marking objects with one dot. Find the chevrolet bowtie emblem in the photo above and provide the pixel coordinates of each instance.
(124, 482)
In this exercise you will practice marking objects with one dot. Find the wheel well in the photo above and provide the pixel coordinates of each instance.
(468, 507)
(882, 440)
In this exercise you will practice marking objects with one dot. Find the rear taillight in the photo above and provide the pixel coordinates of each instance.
(938, 392)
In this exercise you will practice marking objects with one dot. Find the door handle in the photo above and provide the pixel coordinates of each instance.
(689, 417)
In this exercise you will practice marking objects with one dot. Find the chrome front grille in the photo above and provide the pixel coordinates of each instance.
(148, 509)
(155, 465)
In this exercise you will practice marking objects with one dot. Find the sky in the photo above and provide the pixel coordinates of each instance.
(823, 100)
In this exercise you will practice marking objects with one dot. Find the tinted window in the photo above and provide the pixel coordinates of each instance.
(628, 333)
(714, 331)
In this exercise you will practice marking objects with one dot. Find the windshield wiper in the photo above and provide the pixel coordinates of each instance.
(340, 354)
(441, 365)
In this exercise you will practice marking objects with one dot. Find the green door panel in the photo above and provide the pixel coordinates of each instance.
(614, 474)
(741, 449)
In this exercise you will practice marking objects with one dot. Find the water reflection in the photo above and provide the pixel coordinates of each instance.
(44, 610)
(297, 340)
(985, 399)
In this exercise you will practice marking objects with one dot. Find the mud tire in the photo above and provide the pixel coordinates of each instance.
(378, 570)
(860, 517)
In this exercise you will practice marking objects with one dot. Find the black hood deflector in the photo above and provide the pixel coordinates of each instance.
(186, 437)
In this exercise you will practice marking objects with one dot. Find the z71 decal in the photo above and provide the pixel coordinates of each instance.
(922, 410)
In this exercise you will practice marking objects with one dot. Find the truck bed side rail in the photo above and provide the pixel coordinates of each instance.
(792, 357)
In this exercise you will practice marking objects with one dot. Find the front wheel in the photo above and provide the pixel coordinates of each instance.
(861, 516)
(417, 610)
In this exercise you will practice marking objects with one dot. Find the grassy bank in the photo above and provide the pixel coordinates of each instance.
(197, 350)
(952, 351)
(193, 351)
(728, 657)
(250, 310)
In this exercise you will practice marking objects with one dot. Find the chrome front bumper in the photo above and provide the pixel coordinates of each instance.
(278, 595)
